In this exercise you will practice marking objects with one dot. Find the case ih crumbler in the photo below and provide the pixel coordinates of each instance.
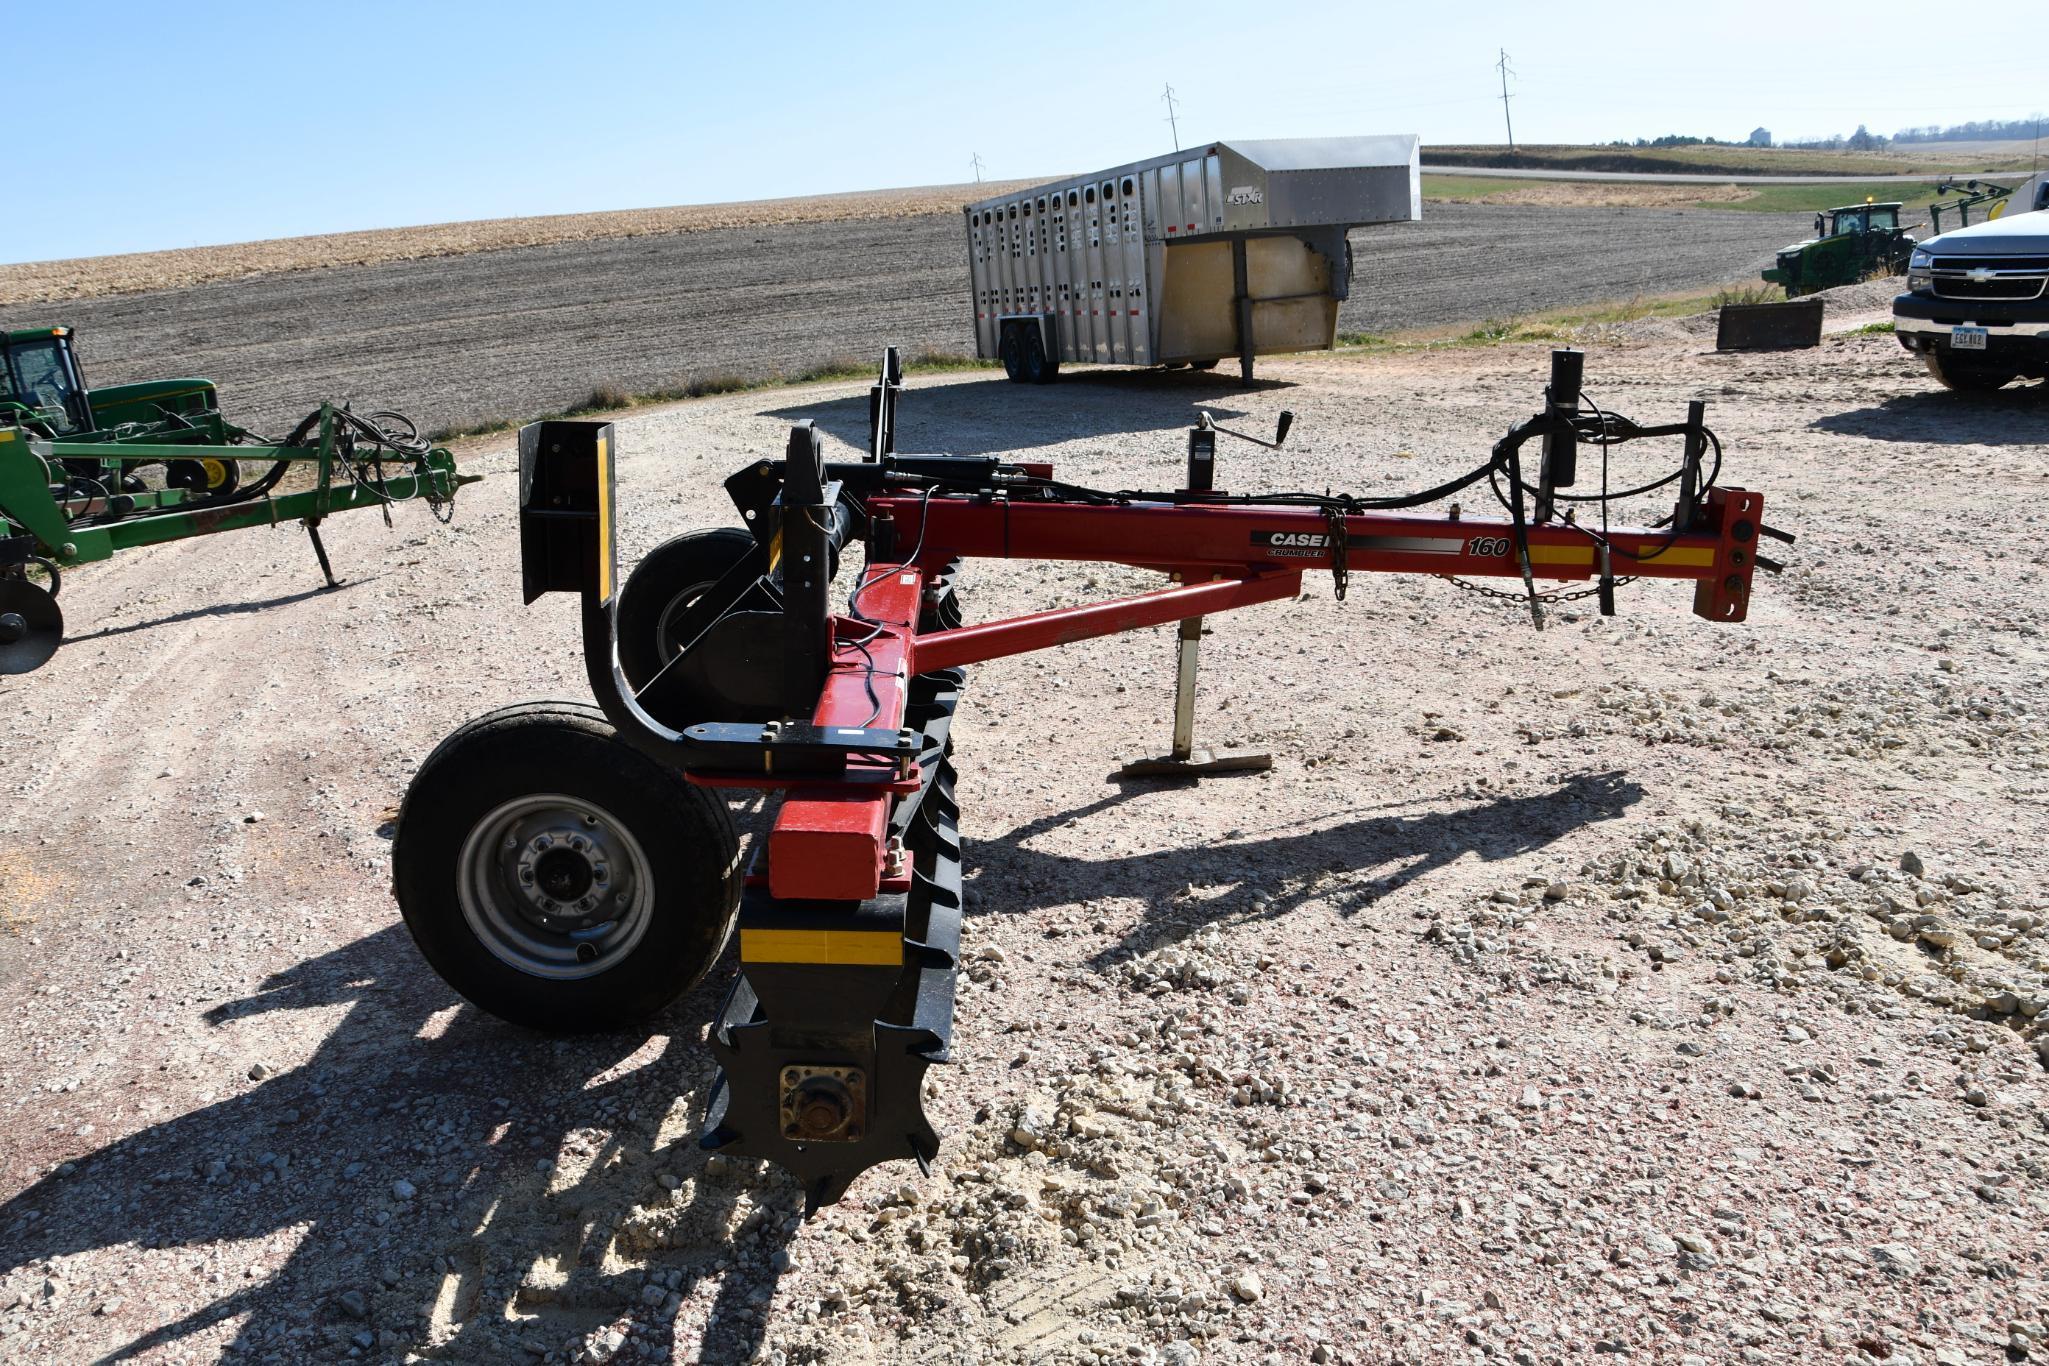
(568, 867)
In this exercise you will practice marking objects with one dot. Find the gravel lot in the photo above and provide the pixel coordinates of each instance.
(460, 339)
(1642, 989)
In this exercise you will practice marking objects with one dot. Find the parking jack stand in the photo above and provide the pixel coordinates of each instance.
(1185, 760)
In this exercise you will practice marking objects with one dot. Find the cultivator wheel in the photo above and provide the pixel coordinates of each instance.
(559, 878)
(31, 626)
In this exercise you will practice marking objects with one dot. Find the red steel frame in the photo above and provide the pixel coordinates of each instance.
(829, 842)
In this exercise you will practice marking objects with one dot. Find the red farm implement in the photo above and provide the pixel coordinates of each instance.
(570, 867)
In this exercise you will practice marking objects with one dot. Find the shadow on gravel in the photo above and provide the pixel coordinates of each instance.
(2011, 416)
(992, 416)
(225, 609)
(408, 1164)
(1393, 849)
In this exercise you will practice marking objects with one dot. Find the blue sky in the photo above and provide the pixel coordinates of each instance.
(220, 122)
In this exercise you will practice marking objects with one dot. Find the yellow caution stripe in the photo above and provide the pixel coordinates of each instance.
(1561, 554)
(1690, 555)
(859, 948)
(607, 557)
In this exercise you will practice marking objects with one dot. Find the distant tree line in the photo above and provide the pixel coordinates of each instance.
(1980, 130)
(1863, 140)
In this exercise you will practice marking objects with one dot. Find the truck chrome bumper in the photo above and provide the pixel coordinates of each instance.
(1929, 328)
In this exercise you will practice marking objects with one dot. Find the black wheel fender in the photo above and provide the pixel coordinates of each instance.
(666, 580)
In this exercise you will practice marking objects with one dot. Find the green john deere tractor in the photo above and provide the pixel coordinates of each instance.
(43, 391)
(1849, 244)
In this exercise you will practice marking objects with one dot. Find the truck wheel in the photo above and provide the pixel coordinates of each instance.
(1964, 377)
(1038, 367)
(1011, 349)
(559, 878)
(661, 588)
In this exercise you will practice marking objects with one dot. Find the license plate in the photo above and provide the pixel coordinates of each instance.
(1967, 338)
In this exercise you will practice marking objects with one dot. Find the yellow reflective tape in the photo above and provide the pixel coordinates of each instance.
(1680, 554)
(1561, 554)
(604, 523)
(7, 435)
(863, 948)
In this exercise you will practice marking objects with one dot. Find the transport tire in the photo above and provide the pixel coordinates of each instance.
(559, 878)
(1965, 377)
(661, 588)
(1038, 367)
(1011, 350)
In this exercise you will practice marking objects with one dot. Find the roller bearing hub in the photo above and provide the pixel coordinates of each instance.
(555, 886)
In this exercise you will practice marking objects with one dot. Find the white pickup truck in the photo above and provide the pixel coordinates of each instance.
(1976, 308)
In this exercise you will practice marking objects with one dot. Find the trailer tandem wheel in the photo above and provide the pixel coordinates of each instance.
(559, 878)
(1011, 350)
(1037, 367)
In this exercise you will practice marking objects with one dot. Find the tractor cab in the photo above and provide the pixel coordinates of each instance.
(1857, 218)
(40, 381)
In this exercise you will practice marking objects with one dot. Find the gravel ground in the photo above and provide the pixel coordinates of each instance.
(462, 339)
(1643, 989)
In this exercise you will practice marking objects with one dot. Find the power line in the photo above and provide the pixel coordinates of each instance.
(1506, 71)
(1168, 96)
(976, 162)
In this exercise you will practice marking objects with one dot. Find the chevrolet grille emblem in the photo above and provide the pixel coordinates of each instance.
(1978, 275)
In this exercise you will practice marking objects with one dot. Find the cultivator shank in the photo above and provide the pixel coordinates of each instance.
(849, 917)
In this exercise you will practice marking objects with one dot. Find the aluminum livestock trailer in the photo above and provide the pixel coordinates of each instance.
(1234, 249)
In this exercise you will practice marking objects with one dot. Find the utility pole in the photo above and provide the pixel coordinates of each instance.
(1506, 71)
(1168, 96)
(976, 162)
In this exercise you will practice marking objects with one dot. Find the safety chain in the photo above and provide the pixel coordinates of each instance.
(1520, 598)
(440, 509)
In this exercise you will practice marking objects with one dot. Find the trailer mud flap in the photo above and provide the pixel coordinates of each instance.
(825, 1038)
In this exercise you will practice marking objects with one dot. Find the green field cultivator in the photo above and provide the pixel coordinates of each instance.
(75, 482)
(1970, 194)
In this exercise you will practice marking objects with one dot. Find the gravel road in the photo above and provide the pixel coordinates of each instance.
(455, 340)
(1641, 989)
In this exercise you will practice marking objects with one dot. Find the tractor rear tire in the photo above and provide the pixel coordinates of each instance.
(1038, 367)
(559, 878)
(661, 587)
(204, 475)
(1966, 377)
